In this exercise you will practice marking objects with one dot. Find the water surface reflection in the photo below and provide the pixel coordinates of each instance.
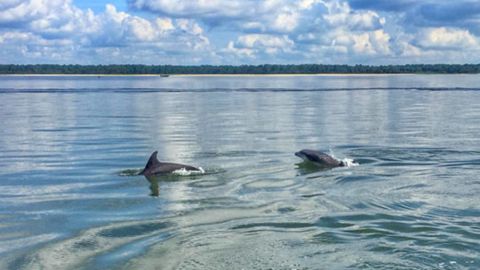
(412, 202)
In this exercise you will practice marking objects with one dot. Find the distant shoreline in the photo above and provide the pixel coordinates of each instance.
(227, 75)
(241, 70)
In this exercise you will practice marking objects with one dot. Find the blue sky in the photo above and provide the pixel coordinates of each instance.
(191, 32)
(98, 6)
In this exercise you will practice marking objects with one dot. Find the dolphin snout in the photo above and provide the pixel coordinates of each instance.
(300, 154)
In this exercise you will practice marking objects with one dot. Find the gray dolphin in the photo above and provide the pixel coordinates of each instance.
(319, 158)
(155, 167)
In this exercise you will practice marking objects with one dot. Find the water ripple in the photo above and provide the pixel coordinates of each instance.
(71, 148)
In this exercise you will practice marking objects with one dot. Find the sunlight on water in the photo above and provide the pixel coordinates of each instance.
(71, 149)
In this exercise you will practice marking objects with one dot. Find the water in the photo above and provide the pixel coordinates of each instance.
(70, 146)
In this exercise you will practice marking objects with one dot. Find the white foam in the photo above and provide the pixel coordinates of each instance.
(185, 172)
(349, 162)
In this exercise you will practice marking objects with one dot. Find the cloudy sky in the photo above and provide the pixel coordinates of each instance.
(236, 32)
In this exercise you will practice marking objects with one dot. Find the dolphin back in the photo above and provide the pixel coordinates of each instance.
(171, 167)
(155, 167)
(320, 158)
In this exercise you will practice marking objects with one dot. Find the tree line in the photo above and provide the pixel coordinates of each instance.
(241, 69)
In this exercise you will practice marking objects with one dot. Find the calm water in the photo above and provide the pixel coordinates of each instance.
(69, 147)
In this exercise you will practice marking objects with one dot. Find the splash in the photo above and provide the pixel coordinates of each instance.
(184, 172)
(349, 162)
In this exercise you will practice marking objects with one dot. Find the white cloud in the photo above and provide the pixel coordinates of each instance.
(60, 30)
(446, 38)
(286, 22)
(341, 15)
(239, 51)
(141, 29)
(260, 43)
(267, 16)
(371, 43)
(307, 4)
(23, 45)
(197, 8)
(15, 36)
(16, 11)
(265, 43)
(341, 34)
(164, 24)
(225, 32)
(269, 41)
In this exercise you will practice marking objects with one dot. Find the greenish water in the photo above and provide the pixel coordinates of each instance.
(70, 148)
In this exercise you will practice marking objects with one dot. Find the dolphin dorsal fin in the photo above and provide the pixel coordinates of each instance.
(152, 161)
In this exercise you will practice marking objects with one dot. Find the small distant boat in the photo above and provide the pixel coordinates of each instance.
(164, 75)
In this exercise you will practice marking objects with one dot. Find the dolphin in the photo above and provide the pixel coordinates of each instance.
(319, 158)
(155, 167)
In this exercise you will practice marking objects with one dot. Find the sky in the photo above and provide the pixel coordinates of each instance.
(235, 32)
